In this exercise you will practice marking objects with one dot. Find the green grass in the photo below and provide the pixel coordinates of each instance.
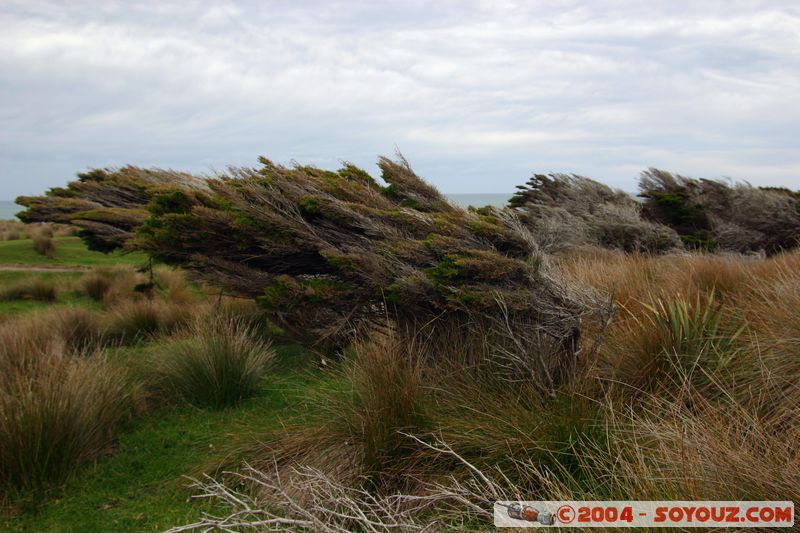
(69, 251)
(10, 276)
(65, 297)
(20, 307)
(141, 486)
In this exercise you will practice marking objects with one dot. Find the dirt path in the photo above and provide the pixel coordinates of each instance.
(20, 267)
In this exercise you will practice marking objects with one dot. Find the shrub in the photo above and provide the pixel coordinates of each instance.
(95, 285)
(328, 254)
(43, 243)
(56, 415)
(32, 288)
(566, 211)
(134, 320)
(388, 398)
(221, 364)
(111, 285)
(106, 205)
(708, 214)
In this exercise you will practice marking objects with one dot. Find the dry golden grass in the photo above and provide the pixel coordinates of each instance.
(59, 401)
(708, 349)
(31, 288)
(13, 230)
(174, 285)
(112, 285)
(692, 394)
(140, 319)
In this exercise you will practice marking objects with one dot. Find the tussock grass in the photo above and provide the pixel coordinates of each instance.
(112, 285)
(52, 421)
(43, 242)
(388, 398)
(174, 285)
(32, 288)
(14, 230)
(135, 320)
(58, 409)
(121, 283)
(691, 394)
(95, 285)
(218, 365)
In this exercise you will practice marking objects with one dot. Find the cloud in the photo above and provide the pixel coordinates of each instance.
(476, 94)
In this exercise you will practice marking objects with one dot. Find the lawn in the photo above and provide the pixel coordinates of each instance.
(63, 280)
(142, 486)
(69, 251)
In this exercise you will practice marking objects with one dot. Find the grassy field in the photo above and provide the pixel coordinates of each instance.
(688, 390)
(69, 251)
(139, 483)
(141, 486)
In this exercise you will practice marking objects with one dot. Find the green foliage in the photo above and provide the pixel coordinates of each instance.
(447, 270)
(109, 204)
(174, 201)
(688, 218)
(309, 206)
(700, 240)
(695, 328)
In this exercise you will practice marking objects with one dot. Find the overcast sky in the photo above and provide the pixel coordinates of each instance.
(477, 95)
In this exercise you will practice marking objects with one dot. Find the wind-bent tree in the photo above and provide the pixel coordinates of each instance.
(711, 214)
(331, 254)
(567, 210)
(108, 205)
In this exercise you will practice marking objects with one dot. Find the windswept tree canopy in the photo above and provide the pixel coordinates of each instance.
(567, 210)
(108, 205)
(711, 214)
(325, 252)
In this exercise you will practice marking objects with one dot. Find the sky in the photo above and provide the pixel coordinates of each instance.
(477, 95)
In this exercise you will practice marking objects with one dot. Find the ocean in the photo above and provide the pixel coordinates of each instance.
(9, 208)
(480, 199)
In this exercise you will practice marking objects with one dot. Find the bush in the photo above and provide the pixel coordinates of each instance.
(30, 289)
(54, 415)
(221, 364)
(111, 285)
(43, 243)
(710, 214)
(328, 254)
(95, 285)
(389, 398)
(135, 320)
(566, 211)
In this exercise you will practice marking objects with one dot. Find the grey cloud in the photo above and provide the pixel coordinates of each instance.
(476, 94)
